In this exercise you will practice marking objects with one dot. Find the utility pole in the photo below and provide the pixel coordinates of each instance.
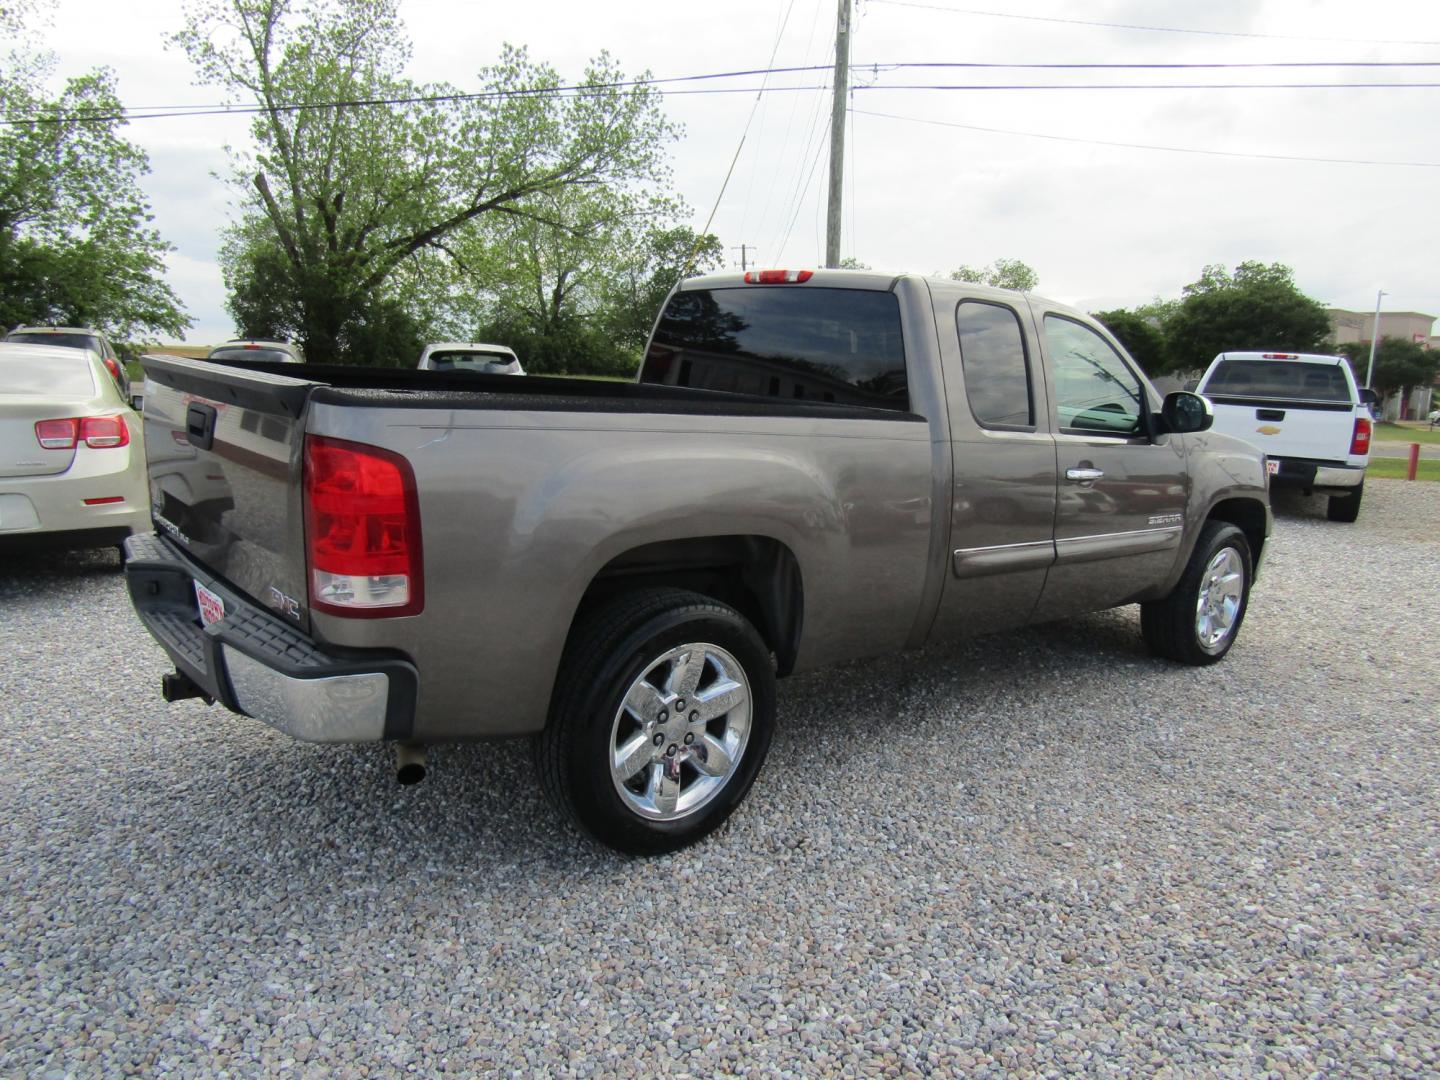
(744, 250)
(1374, 340)
(837, 133)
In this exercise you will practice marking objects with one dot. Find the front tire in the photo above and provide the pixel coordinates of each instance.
(662, 715)
(1345, 508)
(1198, 622)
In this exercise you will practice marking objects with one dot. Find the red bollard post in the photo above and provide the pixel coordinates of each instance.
(1414, 461)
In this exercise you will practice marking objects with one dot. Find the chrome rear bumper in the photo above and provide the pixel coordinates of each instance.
(257, 665)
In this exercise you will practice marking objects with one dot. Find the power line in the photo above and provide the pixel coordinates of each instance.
(699, 239)
(581, 90)
(1150, 146)
(1151, 29)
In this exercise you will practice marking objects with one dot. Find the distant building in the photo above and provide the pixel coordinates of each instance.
(1358, 326)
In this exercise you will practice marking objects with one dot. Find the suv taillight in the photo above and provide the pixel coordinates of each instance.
(1360, 441)
(362, 530)
(96, 432)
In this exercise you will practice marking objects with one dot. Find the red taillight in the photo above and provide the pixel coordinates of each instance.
(362, 530)
(1360, 441)
(777, 277)
(57, 434)
(1281, 356)
(96, 432)
(103, 432)
(112, 367)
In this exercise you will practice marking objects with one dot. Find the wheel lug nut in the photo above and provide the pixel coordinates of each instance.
(659, 738)
(694, 716)
(689, 737)
(680, 705)
(664, 715)
(670, 750)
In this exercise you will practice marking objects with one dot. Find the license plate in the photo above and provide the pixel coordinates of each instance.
(212, 607)
(1272, 466)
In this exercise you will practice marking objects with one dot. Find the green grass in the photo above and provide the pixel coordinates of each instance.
(1396, 468)
(1396, 433)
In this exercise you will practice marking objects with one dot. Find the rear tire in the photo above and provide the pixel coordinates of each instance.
(1198, 622)
(662, 715)
(1345, 508)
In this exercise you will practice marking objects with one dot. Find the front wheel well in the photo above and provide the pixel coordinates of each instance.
(756, 575)
(1248, 516)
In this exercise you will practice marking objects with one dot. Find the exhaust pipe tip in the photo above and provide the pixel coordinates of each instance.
(410, 765)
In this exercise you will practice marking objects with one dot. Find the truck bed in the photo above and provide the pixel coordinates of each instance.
(529, 488)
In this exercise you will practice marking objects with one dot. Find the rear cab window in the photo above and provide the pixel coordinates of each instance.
(813, 344)
(1283, 380)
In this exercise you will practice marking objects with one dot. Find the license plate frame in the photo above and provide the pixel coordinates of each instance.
(211, 605)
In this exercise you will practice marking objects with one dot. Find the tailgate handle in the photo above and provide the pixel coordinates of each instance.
(1269, 414)
(200, 425)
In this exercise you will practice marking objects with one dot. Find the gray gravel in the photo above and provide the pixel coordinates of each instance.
(1039, 853)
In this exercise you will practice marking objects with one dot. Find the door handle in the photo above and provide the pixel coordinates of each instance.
(1084, 476)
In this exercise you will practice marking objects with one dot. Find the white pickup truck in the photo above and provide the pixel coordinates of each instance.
(1305, 413)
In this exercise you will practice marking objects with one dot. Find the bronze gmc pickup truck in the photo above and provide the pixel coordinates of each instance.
(811, 467)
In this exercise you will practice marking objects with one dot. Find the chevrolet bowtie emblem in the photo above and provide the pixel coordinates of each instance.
(1268, 429)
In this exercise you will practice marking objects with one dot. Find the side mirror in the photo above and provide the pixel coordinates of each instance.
(1185, 412)
(137, 402)
(1369, 396)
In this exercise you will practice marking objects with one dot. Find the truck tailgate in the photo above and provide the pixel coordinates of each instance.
(224, 456)
(1316, 431)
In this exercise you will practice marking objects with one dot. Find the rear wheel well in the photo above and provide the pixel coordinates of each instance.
(756, 575)
(1249, 517)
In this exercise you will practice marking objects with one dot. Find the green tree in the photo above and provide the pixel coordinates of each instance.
(76, 244)
(633, 293)
(360, 200)
(850, 262)
(1258, 307)
(1399, 364)
(1002, 273)
(1142, 338)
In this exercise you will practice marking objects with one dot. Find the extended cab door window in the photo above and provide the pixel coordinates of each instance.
(1095, 392)
(997, 370)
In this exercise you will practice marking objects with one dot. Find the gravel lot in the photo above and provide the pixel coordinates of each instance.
(1042, 853)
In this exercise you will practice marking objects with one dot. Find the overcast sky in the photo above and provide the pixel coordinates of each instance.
(927, 189)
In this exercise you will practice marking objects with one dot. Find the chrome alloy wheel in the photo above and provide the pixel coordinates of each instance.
(680, 732)
(1222, 589)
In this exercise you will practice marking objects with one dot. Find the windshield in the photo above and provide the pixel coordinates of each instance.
(1294, 380)
(73, 341)
(252, 355)
(65, 377)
